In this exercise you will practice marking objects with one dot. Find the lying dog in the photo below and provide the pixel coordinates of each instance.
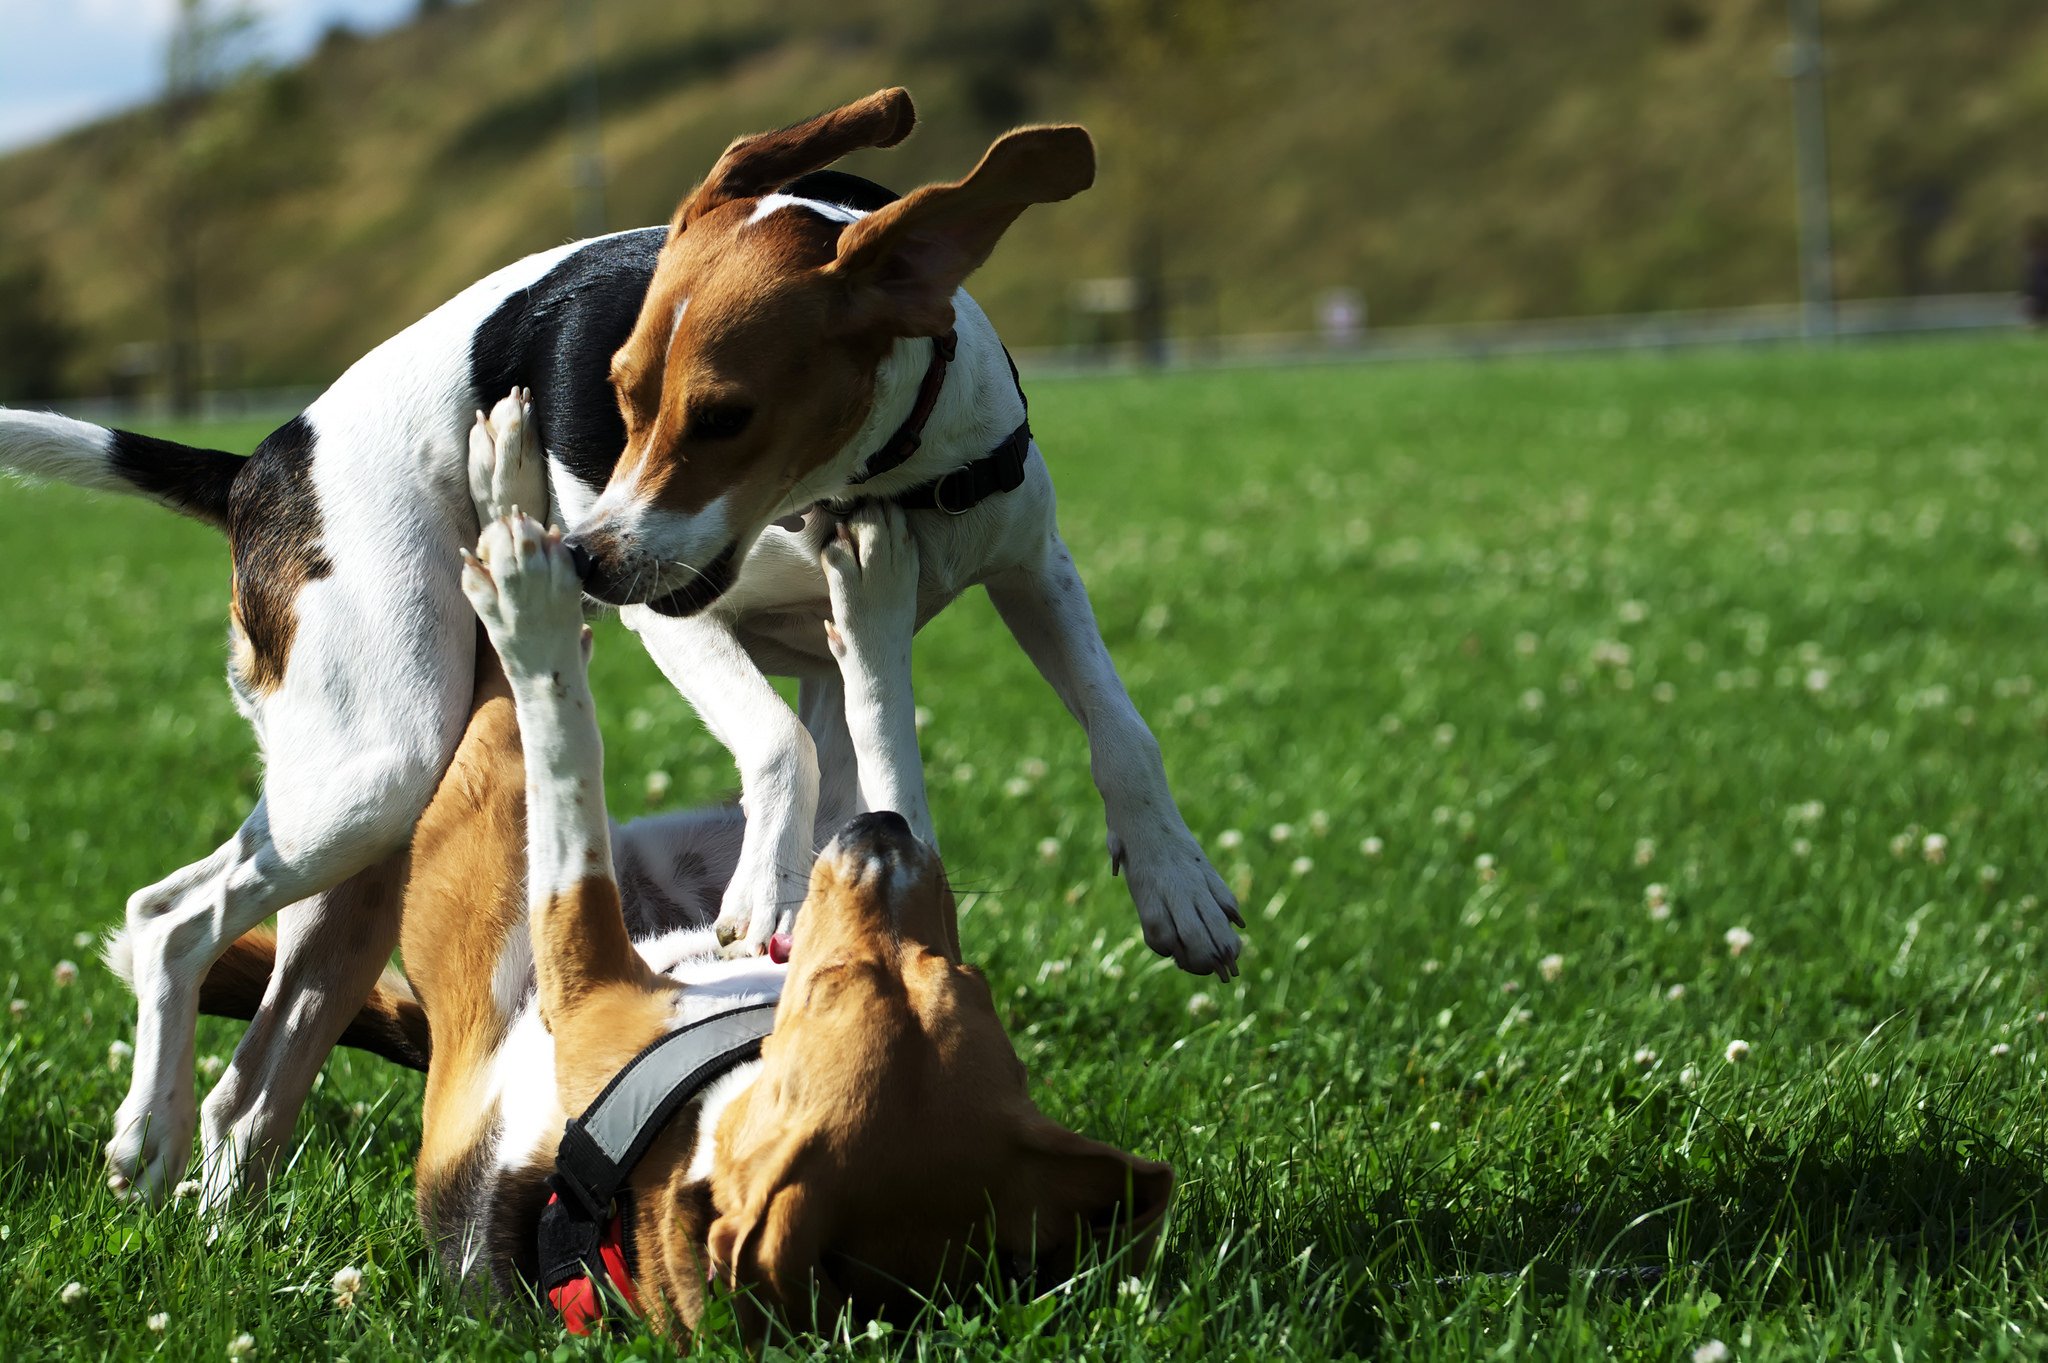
(765, 352)
(881, 1146)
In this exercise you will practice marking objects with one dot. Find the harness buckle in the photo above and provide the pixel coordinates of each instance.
(939, 495)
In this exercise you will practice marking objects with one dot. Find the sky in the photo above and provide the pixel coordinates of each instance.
(66, 62)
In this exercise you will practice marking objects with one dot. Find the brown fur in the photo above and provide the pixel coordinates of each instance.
(392, 1023)
(274, 532)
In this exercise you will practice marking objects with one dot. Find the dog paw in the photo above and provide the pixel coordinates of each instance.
(525, 590)
(506, 468)
(870, 566)
(151, 1146)
(1185, 909)
(755, 909)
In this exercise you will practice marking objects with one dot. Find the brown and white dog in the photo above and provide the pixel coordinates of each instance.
(692, 385)
(882, 1147)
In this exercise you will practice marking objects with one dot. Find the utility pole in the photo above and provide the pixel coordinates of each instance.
(586, 131)
(1805, 63)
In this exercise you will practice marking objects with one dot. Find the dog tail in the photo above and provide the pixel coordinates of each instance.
(191, 481)
(391, 1024)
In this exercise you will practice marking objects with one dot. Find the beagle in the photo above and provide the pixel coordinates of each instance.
(795, 337)
(849, 1130)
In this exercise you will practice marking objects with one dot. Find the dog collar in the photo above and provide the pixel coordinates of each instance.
(584, 1244)
(956, 491)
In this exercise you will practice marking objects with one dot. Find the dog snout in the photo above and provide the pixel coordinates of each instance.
(580, 559)
(877, 834)
(595, 561)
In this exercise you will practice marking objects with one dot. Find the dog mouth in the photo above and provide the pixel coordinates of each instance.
(712, 581)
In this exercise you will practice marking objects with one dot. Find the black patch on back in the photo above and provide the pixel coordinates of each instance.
(273, 525)
(557, 336)
(192, 480)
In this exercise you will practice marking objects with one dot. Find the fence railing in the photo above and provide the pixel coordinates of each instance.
(1764, 325)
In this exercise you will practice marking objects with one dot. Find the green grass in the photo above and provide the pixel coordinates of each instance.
(1733, 624)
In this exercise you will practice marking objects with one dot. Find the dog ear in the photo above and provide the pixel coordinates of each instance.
(770, 1250)
(755, 165)
(1079, 1193)
(903, 261)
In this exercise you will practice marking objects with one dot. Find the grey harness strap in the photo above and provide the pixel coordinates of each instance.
(600, 1148)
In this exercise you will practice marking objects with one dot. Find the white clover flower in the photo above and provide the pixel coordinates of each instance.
(1871, 1080)
(211, 1065)
(963, 774)
(1739, 940)
(1551, 967)
(1646, 851)
(81, 940)
(1200, 1005)
(658, 783)
(1131, 1287)
(1432, 965)
(1987, 876)
(71, 1293)
(1934, 847)
(1675, 992)
(1112, 968)
(240, 1347)
(1372, 847)
(1301, 866)
(1809, 812)
(118, 1054)
(1802, 848)
(1034, 768)
(158, 1323)
(1664, 693)
(1436, 1126)
(1533, 701)
(187, 1188)
(1689, 1077)
(1230, 839)
(2000, 1051)
(1526, 644)
(1511, 987)
(1817, 679)
(1280, 832)
(920, 716)
(1737, 1052)
(1484, 864)
(1901, 845)
(1645, 1058)
(1319, 821)
(1632, 612)
(64, 974)
(17, 1008)
(1048, 849)
(1016, 786)
(1446, 734)
(347, 1282)
(1713, 1351)
(1657, 896)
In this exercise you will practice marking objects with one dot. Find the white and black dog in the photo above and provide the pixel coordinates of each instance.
(700, 391)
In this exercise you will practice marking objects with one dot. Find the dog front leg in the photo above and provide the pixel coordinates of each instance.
(871, 572)
(1183, 905)
(778, 765)
(597, 996)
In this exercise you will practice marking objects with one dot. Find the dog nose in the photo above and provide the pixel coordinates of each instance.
(883, 828)
(579, 559)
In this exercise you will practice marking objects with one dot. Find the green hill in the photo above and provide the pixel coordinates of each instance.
(1455, 160)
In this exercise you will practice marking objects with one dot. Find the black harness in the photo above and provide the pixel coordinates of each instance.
(600, 1148)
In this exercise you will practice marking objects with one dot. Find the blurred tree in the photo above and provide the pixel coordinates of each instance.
(35, 339)
(1167, 69)
(235, 133)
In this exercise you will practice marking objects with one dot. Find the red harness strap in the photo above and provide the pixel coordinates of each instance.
(580, 1300)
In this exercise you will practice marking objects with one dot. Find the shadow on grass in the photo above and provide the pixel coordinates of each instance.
(1750, 1215)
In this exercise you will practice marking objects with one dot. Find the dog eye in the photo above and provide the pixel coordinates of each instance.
(720, 421)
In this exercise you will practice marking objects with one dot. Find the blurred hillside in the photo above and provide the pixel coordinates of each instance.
(1457, 160)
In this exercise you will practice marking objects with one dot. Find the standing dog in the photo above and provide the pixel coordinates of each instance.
(881, 1146)
(696, 384)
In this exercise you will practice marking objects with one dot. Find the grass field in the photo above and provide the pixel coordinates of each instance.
(1561, 726)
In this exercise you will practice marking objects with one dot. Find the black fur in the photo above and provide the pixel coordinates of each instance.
(184, 477)
(557, 336)
(273, 524)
